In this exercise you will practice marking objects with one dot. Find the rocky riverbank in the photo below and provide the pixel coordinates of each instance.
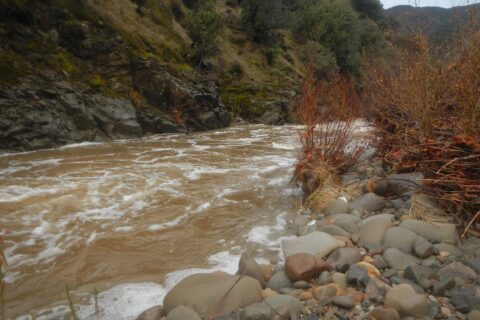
(377, 250)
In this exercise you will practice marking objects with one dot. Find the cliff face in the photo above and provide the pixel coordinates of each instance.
(69, 73)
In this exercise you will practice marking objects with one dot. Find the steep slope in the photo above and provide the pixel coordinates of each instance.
(92, 70)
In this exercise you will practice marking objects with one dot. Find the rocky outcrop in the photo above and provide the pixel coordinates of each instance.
(66, 76)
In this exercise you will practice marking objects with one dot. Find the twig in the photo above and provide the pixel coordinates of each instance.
(470, 223)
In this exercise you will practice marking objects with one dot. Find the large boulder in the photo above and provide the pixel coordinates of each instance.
(316, 243)
(213, 293)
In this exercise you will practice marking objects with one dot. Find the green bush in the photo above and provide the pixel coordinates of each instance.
(318, 58)
(260, 18)
(203, 26)
(272, 53)
(336, 26)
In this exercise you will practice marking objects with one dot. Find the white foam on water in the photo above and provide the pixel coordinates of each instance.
(283, 146)
(81, 144)
(203, 207)
(124, 229)
(169, 224)
(92, 238)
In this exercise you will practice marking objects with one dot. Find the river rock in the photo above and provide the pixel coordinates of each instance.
(444, 284)
(400, 238)
(219, 292)
(437, 232)
(337, 206)
(369, 202)
(401, 183)
(422, 247)
(347, 222)
(381, 313)
(382, 216)
(449, 248)
(373, 232)
(398, 260)
(340, 279)
(286, 306)
(357, 275)
(334, 230)
(154, 313)
(317, 243)
(417, 273)
(342, 258)
(459, 270)
(474, 315)
(343, 301)
(474, 263)
(465, 299)
(247, 266)
(407, 302)
(182, 313)
(279, 280)
(304, 266)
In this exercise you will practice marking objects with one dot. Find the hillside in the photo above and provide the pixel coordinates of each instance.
(439, 24)
(89, 70)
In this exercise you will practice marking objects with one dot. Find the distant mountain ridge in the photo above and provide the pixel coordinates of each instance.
(439, 24)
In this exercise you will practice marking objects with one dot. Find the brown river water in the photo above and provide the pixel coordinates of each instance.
(131, 218)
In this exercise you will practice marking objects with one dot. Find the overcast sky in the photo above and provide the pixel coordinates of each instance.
(426, 3)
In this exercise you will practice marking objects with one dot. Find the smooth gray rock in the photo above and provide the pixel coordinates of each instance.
(334, 230)
(342, 258)
(357, 275)
(182, 313)
(437, 232)
(373, 232)
(279, 280)
(451, 249)
(418, 273)
(465, 299)
(382, 216)
(398, 260)
(400, 238)
(247, 266)
(459, 270)
(207, 293)
(337, 206)
(474, 263)
(344, 302)
(381, 313)
(407, 302)
(316, 243)
(443, 284)
(369, 202)
(347, 222)
(257, 311)
(422, 247)
(285, 305)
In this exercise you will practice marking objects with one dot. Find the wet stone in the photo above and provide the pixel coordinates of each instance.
(357, 275)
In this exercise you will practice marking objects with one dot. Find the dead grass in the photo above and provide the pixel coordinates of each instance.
(327, 110)
(3, 269)
(426, 111)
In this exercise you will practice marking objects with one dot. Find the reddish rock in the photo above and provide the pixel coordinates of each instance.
(304, 266)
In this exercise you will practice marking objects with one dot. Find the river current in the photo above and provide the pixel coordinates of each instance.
(131, 218)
